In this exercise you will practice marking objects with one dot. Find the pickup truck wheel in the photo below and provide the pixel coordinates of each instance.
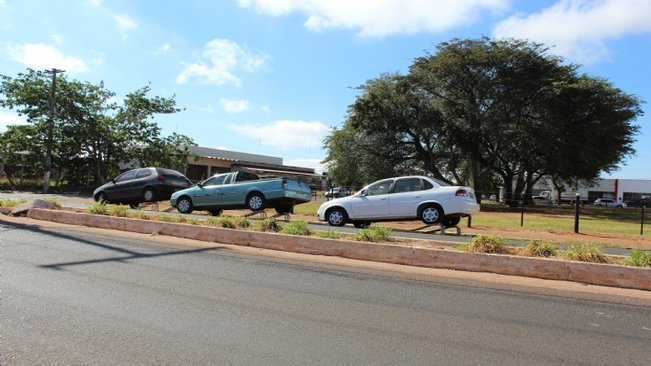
(184, 205)
(149, 195)
(215, 211)
(430, 214)
(336, 216)
(451, 221)
(283, 210)
(255, 201)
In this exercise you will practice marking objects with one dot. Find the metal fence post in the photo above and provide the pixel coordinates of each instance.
(577, 210)
(642, 221)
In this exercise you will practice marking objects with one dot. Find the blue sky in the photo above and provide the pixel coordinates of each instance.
(273, 77)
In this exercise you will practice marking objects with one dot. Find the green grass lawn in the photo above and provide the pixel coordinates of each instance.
(591, 220)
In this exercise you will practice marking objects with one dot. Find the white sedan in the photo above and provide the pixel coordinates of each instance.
(402, 198)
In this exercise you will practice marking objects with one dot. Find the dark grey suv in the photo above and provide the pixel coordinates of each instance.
(142, 185)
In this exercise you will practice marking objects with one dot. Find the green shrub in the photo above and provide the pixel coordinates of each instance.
(142, 215)
(119, 211)
(374, 234)
(8, 202)
(540, 248)
(98, 208)
(489, 244)
(241, 222)
(166, 218)
(296, 228)
(270, 225)
(327, 234)
(226, 222)
(192, 221)
(638, 258)
(584, 252)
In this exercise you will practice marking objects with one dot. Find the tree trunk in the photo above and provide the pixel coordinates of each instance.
(476, 175)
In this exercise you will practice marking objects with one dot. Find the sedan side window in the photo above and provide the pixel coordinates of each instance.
(407, 185)
(379, 188)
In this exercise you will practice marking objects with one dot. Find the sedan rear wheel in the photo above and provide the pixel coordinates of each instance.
(336, 216)
(430, 214)
(184, 205)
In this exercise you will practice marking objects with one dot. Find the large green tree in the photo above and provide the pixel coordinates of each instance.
(92, 133)
(503, 107)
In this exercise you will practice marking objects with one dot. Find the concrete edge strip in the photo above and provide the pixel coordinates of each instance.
(591, 273)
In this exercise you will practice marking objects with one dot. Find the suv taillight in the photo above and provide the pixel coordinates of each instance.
(462, 193)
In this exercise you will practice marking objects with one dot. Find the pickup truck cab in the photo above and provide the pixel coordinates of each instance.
(237, 190)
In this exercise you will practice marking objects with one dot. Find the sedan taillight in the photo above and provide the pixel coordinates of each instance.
(462, 193)
(161, 178)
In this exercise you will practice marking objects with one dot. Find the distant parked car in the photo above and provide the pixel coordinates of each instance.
(542, 200)
(607, 202)
(142, 185)
(337, 192)
(402, 198)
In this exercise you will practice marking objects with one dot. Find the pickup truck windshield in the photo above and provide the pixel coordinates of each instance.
(214, 180)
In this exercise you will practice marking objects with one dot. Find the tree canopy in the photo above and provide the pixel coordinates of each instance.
(92, 132)
(483, 108)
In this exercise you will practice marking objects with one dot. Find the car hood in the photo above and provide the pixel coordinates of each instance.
(189, 191)
(103, 186)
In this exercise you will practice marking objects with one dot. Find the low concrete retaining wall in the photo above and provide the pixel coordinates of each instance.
(592, 273)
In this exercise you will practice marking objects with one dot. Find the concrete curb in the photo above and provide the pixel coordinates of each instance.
(591, 273)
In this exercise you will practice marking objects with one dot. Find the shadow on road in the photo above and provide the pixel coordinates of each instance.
(128, 254)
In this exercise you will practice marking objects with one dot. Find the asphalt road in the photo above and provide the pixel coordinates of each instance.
(71, 296)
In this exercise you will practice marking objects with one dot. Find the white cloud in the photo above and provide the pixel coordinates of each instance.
(9, 118)
(165, 48)
(43, 56)
(578, 29)
(235, 106)
(57, 38)
(125, 23)
(285, 135)
(379, 18)
(223, 58)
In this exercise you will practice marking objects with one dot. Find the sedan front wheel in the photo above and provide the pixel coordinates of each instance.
(336, 217)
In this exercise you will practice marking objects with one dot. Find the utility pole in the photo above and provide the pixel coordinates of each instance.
(50, 128)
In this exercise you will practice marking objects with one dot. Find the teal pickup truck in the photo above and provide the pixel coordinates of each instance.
(237, 190)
